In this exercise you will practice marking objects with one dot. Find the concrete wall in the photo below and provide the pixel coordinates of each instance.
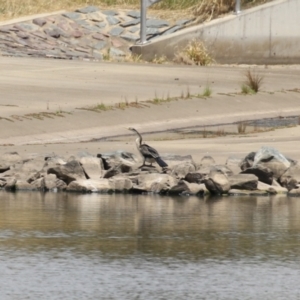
(267, 34)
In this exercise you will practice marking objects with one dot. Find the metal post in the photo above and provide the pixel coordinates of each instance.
(143, 22)
(237, 6)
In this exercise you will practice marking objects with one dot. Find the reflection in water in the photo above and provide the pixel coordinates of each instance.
(69, 246)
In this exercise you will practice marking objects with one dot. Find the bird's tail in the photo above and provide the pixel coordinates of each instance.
(161, 162)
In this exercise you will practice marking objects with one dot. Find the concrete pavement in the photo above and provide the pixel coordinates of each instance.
(29, 87)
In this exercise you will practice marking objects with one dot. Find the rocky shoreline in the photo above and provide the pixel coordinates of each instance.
(265, 172)
(87, 33)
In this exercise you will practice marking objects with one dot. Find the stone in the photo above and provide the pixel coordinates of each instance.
(247, 162)
(101, 24)
(112, 20)
(116, 31)
(52, 183)
(95, 17)
(110, 12)
(172, 30)
(174, 159)
(156, 23)
(233, 163)
(130, 23)
(22, 35)
(194, 177)
(116, 42)
(39, 184)
(186, 188)
(182, 169)
(217, 182)
(26, 27)
(294, 192)
(207, 161)
(271, 189)
(11, 184)
(39, 21)
(77, 34)
(134, 14)
(183, 22)
(129, 37)
(155, 183)
(116, 52)
(92, 166)
(243, 182)
(87, 10)
(98, 36)
(72, 15)
(53, 32)
(133, 29)
(262, 173)
(151, 31)
(117, 158)
(100, 45)
(69, 172)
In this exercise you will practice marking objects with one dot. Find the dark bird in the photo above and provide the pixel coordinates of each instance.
(148, 153)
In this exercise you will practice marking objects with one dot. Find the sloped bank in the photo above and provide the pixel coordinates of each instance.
(265, 172)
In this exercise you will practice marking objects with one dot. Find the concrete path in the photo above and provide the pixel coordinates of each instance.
(47, 101)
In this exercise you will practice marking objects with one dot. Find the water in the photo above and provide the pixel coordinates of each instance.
(69, 246)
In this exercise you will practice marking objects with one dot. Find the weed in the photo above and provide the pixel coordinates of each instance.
(207, 91)
(195, 53)
(241, 127)
(107, 56)
(102, 106)
(159, 59)
(246, 90)
(254, 80)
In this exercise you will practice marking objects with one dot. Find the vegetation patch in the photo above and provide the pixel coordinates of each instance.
(195, 53)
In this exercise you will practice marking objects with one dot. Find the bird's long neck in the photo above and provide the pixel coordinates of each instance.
(139, 139)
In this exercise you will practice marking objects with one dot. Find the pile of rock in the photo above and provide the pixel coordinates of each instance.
(87, 33)
(265, 172)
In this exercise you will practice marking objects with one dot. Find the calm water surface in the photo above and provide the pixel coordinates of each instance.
(69, 246)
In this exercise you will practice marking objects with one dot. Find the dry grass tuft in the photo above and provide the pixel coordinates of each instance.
(195, 53)
(254, 81)
(207, 10)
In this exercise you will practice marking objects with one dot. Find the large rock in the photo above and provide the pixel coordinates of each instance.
(247, 162)
(291, 177)
(174, 159)
(263, 173)
(52, 183)
(243, 182)
(69, 172)
(271, 158)
(207, 161)
(156, 183)
(100, 185)
(194, 177)
(271, 189)
(181, 170)
(217, 182)
(185, 188)
(234, 164)
(93, 167)
(117, 158)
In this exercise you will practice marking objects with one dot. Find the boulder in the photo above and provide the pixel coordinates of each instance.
(156, 183)
(22, 184)
(52, 183)
(174, 159)
(69, 172)
(217, 182)
(117, 170)
(234, 163)
(291, 177)
(92, 166)
(120, 184)
(194, 177)
(271, 158)
(243, 182)
(39, 184)
(185, 188)
(294, 192)
(116, 158)
(263, 174)
(271, 189)
(247, 162)
(11, 184)
(207, 161)
(180, 170)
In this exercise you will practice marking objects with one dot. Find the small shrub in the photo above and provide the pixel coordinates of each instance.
(207, 92)
(254, 80)
(195, 53)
